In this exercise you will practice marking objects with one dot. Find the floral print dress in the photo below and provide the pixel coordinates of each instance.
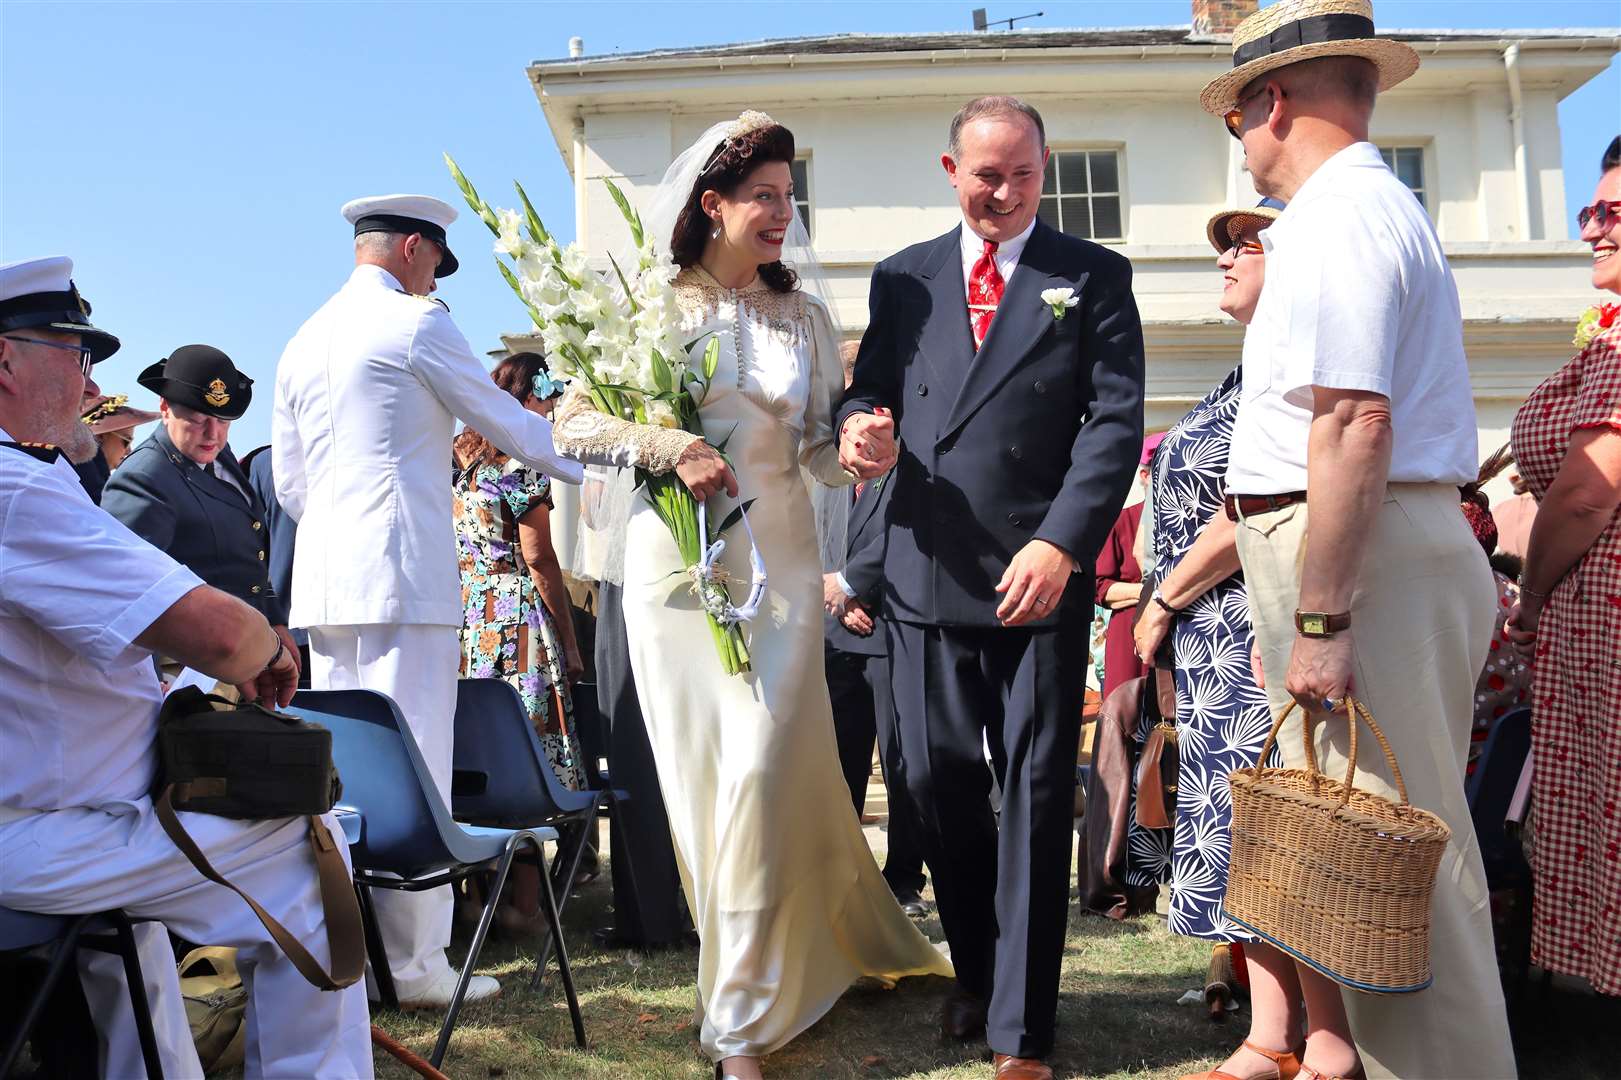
(507, 633)
(1222, 716)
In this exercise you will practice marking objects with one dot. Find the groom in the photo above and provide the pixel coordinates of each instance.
(1022, 424)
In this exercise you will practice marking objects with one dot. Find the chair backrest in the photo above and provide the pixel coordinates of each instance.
(26, 929)
(501, 773)
(406, 825)
(1491, 788)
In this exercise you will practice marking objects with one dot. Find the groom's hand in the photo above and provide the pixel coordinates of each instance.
(1034, 583)
(867, 444)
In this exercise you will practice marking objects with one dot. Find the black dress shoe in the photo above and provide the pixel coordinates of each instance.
(962, 1017)
(913, 904)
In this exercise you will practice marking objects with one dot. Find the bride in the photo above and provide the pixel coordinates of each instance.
(788, 903)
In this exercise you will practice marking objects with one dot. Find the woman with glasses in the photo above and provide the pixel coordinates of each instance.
(1222, 716)
(1567, 442)
(517, 623)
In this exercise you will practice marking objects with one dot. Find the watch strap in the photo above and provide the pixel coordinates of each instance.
(1330, 624)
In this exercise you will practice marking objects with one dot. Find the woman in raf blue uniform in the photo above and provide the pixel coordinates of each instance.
(182, 490)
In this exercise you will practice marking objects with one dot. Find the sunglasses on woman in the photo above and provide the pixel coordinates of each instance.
(1242, 248)
(1604, 212)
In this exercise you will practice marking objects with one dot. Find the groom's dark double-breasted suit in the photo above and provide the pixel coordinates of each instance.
(1034, 436)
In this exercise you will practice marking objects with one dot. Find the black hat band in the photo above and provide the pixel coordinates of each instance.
(1314, 30)
(394, 223)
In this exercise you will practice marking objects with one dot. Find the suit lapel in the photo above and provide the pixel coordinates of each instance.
(864, 506)
(203, 481)
(1020, 323)
(947, 341)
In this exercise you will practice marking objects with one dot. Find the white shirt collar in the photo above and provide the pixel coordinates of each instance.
(1359, 155)
(973, 245)
(373, 272)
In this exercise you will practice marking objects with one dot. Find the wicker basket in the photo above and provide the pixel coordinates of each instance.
(1339, 878)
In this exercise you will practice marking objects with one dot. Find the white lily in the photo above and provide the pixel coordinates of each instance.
(1060, 300)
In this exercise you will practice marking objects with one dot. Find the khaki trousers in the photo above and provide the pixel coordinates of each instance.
(1422, 621)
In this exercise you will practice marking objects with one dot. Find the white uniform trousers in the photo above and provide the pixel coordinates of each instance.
(80, 860)
(1421, 624)
(417, 665)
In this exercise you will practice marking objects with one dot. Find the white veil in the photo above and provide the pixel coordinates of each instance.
(609, 494)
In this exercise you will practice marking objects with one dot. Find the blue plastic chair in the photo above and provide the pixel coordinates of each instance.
(1489, 791)
(407, 840)
(65, 935)
(501, 777)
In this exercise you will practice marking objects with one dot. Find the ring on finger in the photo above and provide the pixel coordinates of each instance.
(1041, 601)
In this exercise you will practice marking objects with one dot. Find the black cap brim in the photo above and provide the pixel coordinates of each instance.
(102, 344)
(447, 265)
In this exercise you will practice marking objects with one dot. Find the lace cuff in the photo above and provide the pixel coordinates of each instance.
(586, 434)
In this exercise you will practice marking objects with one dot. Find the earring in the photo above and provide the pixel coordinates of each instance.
(716, 234)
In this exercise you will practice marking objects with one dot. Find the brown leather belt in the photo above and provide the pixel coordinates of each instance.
(1243, 506)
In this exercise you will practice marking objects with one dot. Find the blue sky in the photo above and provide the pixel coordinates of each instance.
(192, 157)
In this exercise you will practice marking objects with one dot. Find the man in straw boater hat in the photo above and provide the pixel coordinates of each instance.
(1356, 428)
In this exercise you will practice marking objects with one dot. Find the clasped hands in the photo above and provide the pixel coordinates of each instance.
(867, 444)
(852, 613)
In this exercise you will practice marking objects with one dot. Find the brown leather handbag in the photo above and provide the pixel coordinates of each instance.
(1158, 765)
(1101, 852)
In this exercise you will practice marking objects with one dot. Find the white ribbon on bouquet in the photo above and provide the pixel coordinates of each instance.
(710, 559)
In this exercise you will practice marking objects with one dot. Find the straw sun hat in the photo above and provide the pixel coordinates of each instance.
(1294, 30)
(1226, 225)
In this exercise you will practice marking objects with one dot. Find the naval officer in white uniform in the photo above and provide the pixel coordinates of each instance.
(84, 604)
(368, 393)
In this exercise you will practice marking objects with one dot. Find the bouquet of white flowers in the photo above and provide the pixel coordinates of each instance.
(618, 337)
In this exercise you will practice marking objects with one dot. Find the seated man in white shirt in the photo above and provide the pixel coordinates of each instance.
(84, 604)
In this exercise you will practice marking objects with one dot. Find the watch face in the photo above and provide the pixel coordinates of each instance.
(1313, 624)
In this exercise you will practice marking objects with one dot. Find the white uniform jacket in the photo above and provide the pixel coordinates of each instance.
(367, 397)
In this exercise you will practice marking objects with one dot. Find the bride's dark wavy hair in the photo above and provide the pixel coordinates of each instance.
(730, 165)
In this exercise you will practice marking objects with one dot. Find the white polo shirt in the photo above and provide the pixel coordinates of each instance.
(1358, 297)
(78, 698)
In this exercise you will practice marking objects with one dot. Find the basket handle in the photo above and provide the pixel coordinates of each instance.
(1353, 709)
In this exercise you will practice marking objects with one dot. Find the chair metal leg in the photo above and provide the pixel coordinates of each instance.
(490, 901)
(375, 952)
(66, 949)
(563, 968)
(563, 885)
(137, 995)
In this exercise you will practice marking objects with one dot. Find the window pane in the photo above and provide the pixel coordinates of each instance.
(1410, 167)
(1106, 217)
(804, 215)
(800, 172)
(1389, 155)
(1049, 180)
(1072, 174)
(1077, 217)
(1105, 170)
(1047, 211)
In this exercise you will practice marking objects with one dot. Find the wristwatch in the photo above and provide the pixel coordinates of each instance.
(1319, 624)
(1159, 598)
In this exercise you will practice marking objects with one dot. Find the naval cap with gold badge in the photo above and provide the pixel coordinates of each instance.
(39, 294)
(200, 377)
(406, 214)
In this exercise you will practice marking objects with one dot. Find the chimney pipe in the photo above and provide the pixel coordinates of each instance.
(576, 47)
(1218, 18)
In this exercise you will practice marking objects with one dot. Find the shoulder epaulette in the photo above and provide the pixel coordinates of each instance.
(429, 299)
(43, 451)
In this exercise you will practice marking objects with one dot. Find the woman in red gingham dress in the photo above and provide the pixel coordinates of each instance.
(1567, 441)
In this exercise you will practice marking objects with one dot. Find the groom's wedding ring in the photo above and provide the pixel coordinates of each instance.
(1040, 602)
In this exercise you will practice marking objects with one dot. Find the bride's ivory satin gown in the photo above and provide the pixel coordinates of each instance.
(784, 892)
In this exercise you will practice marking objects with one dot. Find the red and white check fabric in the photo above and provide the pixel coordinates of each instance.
(985, 287)
(1576, 699)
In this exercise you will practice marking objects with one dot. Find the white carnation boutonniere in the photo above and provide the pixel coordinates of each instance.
(1060, 300)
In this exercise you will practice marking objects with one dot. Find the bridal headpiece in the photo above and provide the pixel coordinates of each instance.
(749, 120)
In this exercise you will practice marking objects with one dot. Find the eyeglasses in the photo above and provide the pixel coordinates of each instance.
(1242, 248)
(86, 354)
(1235, 115)
(1604, 211)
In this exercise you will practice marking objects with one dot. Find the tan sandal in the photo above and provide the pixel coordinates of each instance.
(1286, 1062)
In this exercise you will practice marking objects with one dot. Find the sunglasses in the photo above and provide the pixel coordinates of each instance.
(1235, 115)
(1242, 248)
(86, 353)
(1603, 212)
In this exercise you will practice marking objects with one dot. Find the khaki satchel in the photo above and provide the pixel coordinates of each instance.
(248, 762)
(215, 1006)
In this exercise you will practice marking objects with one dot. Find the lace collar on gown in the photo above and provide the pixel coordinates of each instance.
(701, 297)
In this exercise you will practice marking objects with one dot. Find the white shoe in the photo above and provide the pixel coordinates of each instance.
(437, 994)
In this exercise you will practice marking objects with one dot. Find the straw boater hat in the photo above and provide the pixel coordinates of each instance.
(1294, 30)
(1226, 225)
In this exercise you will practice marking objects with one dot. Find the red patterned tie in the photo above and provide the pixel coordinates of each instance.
(984, 293)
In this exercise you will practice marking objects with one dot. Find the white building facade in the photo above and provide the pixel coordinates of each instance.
(1135, 164)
